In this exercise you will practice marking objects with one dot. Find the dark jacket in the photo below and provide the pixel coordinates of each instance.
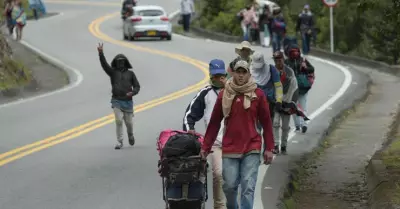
(305, 22)
(295, 64)
(122, 80)
(125, 4)
(278, 29)
(264, 19)
(240, 135)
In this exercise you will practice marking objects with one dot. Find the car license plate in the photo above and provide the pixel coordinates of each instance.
(151, 33)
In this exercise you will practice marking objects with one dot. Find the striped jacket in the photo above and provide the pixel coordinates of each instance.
(200, 107)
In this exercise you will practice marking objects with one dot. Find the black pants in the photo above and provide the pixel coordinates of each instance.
(35, 14)
(186, 22)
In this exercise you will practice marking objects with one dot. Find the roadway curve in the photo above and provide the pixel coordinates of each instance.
(87, 172)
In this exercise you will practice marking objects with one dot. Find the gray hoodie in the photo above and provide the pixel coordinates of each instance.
(289, 85)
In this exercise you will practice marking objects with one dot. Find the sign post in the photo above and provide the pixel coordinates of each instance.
(331, 4)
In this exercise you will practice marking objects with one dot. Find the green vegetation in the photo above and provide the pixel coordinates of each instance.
(177, 29)
(367, 28)
(25, 5)
(391, 158)
(220, 15)
(13, 74)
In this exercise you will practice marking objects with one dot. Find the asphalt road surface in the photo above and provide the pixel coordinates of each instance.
(83, 170)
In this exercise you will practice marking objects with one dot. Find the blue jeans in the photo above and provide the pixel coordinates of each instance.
(276, 41)
(302, 101)
(241, 171)
(306, 39)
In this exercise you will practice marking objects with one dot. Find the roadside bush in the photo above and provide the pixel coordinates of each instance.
(13, 74)
(220, 16)
(25, 5)
(365, 28)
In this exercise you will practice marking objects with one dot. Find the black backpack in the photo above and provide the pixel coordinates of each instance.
(182, 145)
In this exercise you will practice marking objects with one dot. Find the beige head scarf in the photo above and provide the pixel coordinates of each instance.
(231, 90)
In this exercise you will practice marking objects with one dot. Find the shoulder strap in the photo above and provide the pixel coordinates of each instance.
(215, 91)
(271, 67)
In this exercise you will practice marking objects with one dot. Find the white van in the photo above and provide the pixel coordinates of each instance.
(272, 5)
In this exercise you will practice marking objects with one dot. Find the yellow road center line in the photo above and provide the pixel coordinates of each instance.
(94, 28)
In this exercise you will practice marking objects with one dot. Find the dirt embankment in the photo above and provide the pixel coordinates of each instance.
(24, 74)
(334, 176)
(13, 73)
(383, 172)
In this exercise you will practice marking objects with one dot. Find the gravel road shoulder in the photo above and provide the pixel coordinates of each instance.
(333, 176)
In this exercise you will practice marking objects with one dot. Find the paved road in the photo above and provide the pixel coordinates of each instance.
(87, 172)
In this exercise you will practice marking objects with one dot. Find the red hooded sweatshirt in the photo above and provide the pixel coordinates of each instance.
(240, 134)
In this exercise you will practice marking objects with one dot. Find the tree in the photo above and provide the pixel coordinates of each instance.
(382, 18)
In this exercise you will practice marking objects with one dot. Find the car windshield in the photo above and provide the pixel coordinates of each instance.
(150, 13)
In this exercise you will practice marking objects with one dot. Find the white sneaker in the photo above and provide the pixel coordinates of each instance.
(119, 145)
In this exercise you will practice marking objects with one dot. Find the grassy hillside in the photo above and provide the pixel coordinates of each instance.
(12, 72)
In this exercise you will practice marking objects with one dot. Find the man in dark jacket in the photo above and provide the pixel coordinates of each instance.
(304, 72)
(278, 28)
(127, 8)
(124, 86)
(264, 25)
(241, 104)
(305, 25)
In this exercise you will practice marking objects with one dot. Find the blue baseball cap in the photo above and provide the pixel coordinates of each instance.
(217, 66)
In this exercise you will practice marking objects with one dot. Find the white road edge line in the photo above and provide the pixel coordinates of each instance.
(74, 76)
(345, 85)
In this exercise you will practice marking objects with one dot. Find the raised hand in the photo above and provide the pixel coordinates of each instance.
(100, 47)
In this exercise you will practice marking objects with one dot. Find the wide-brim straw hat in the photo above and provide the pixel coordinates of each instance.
(244, 44)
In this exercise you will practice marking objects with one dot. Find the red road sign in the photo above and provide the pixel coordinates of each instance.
(330, 3)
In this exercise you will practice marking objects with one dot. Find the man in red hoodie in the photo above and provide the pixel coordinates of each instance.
(241, 104)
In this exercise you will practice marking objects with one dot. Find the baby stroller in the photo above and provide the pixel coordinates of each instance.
(182, 170)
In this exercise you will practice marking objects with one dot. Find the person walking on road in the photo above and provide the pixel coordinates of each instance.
(267, 78)
(305, 25)
(264, 24)
(8, 8)
(278, 28)
(187, 10)
(201, 107)
(19, 18)
(244, 52)
(124, 86)
(241, 105)
(304, 72)
(290, 94)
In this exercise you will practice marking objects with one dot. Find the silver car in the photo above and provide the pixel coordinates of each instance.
(147, 21)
